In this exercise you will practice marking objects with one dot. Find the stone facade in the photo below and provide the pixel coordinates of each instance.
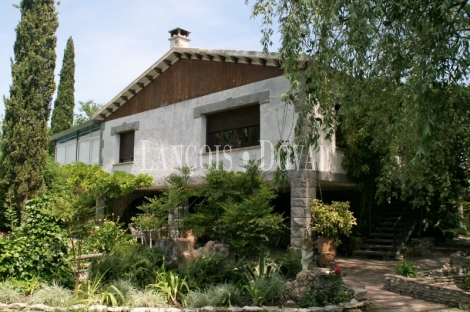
(424, 288)
(303, 190)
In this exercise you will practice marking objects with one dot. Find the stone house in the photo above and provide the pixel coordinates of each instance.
(196, 106)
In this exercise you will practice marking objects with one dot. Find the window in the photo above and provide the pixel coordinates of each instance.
(235, 128)
(126, 147)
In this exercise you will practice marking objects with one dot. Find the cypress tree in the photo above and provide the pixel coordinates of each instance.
(62, 115)
(27, 110)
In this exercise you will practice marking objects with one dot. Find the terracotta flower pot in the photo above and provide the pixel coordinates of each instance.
(327, 250)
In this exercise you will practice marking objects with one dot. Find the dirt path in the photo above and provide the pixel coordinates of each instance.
(370, 274)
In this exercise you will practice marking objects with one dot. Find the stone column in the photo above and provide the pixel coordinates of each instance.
(303, 191)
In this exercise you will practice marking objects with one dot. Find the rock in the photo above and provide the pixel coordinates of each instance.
(315, 309)
(290, 310)
(17, 306)
(139, 309)
(272, 309)
(209, 245)
(190, 310)
(114, 309)
(207, 309)
(77, 307)
(97, 307)
(235, 309)
(221, 249)
(360, 294)
(38, 307)
(353, 304)
(333, 308)
(290, 303)
(221, 309)
(173, 310)
(3, 306)
(251, 309)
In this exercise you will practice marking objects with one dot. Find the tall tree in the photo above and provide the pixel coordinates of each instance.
(400, 70)
(25, 131)
(62, 115)
(86, 109)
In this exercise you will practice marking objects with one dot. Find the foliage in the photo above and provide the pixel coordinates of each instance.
(135, 263)
(231, 206)
(25, 129)
(466, 284)
(146, 298)
(170, 208)
(262, 270)
(38, 248)
(289, 263)
(107, 236)
(406, 269)
(332, 220)
(26, 287)
(92, 292)
(269, 289)
(9, 293)
(307, 300)
(171, 285)
(332, 291)
(52, 295)
(62, 114)
(400, 71)
(207, 270)
(250, 223)
(76, 188)
(215, 295)
(86, 109)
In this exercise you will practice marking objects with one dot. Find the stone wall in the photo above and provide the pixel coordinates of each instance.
(426, 289)
(459, 262)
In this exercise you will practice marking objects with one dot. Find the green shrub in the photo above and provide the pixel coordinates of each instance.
(266, 290)
(215, 295)
(171, 285)
(146, 298)
(289, 264)
(107, 236)
(135, 263)
(9, 293)
(52, 295)
(406, 269)
(307, 300)
(205, 271)
(38, 248)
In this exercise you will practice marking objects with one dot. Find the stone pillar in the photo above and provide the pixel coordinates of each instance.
(303, 191)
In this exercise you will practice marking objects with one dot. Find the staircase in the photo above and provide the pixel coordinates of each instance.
(390, 235)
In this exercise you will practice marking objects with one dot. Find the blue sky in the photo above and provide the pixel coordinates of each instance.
(116, 40)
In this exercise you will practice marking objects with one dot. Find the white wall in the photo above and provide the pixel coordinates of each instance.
(85, 150)
(170, 137)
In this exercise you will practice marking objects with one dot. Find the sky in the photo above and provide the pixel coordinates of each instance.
(116, 40)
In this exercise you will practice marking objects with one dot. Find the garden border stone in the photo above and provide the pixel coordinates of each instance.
(426, 289)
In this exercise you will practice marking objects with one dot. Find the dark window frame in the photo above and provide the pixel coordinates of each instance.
(227, 128)
(126, 146)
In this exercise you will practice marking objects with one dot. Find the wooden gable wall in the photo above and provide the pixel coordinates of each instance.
(188, 79)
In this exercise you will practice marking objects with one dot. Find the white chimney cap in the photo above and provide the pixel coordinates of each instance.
(179, 38)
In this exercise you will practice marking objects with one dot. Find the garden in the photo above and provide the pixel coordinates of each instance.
(61, 256)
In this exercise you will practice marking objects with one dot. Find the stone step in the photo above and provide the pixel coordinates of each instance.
(379, 241)
(380, 234)
(386, 255)
(380, 247)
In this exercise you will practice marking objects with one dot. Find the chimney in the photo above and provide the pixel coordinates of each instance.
(179, 38)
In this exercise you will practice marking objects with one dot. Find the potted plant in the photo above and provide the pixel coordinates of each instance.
(329, 221)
